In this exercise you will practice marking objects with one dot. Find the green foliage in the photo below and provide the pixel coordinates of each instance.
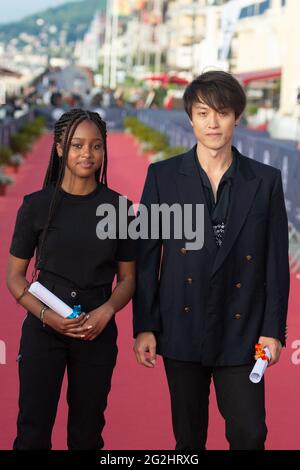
(33, 128)
(5, 179)
(146, 134)
(28, 133)
(16, 159)
(20, 143)
(251, 109)
(40, 121)
(5, 154)
(75, 17)
(155, 141)
(172, 151)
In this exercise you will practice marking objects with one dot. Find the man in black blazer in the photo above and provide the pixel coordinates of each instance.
(205, 309)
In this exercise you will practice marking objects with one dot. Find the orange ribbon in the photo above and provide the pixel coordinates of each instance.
(260, 353)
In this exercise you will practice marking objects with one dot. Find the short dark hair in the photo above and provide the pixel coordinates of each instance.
(218, 90)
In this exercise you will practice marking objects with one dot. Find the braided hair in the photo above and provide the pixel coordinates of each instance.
(64, 130)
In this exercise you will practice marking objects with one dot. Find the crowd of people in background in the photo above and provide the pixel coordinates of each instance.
(53, 100)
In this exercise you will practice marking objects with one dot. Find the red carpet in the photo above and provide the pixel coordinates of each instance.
(138, 414)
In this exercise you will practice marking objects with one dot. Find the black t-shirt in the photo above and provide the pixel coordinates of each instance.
(73, 248)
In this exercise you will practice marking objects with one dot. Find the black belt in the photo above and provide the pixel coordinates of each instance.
(70, 293)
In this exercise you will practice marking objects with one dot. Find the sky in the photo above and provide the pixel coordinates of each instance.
(14, 10)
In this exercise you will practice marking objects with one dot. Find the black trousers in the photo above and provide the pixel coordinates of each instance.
(43, 358)
(240, 402)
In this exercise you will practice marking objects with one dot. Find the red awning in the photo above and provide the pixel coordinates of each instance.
(165, 78)
(248, 77)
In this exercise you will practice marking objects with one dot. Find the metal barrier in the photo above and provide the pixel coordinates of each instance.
(10, 126)
(114, 117)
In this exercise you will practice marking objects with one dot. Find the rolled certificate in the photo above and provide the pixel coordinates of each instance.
(260, 366)
(52, 301)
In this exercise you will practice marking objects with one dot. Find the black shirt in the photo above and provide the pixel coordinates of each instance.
(72, 249)
(218, 209)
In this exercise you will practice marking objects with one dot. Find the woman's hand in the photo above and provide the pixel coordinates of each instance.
(73, 327)
(98, 320)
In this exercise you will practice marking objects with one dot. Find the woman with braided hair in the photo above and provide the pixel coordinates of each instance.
(78, 265)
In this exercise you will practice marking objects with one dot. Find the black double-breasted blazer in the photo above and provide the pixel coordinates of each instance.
(212, 304)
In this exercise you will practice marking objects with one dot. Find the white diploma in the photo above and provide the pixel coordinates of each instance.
(49, 299)
(259, 368)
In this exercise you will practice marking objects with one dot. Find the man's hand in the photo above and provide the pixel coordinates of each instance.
(275, 348)
(145, 349)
